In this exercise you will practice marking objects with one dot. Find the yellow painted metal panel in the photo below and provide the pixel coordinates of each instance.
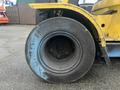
(111, 20)
(63, 1)
(105, 4)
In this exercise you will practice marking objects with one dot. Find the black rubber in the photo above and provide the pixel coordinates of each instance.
(60, 49)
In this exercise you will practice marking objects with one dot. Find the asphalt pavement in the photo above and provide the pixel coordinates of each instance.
(16, 75)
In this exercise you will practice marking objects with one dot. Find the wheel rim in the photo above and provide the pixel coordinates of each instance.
(56, 59)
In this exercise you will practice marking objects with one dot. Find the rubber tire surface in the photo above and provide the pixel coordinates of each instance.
(55, 24)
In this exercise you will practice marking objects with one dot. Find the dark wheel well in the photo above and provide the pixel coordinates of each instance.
(82, 19)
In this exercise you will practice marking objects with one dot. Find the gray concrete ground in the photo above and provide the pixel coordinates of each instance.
(16, 75)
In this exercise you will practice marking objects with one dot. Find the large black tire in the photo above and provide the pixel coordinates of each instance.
(60, 49)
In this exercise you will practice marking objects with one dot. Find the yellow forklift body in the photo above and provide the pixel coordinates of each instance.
(105, 4)
(75, 8)
(107, 15)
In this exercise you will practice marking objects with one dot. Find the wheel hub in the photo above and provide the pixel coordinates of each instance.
(59, 53)
(60, 47)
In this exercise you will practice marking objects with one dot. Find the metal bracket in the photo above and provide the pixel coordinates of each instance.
(105, 54)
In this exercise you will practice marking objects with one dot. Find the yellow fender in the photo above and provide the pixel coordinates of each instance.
(74, 8)
(105, 4)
